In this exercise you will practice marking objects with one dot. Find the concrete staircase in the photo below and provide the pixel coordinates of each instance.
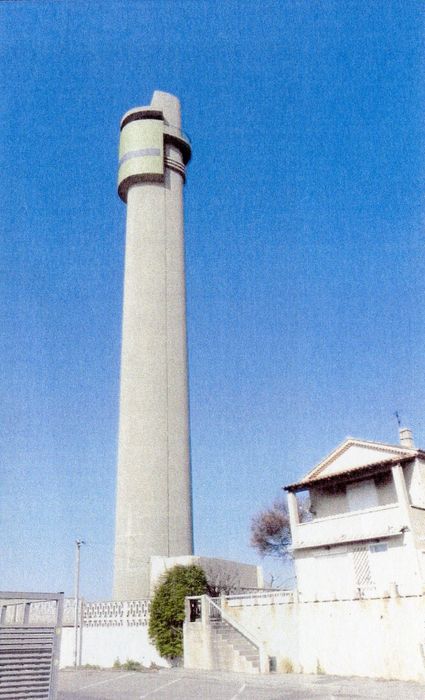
(231, 651)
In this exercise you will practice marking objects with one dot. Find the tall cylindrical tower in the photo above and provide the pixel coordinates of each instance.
(153, 505)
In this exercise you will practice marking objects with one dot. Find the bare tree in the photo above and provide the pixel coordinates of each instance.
(221, 580)
(271, 531)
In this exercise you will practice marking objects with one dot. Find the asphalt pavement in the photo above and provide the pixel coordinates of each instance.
(179, 684)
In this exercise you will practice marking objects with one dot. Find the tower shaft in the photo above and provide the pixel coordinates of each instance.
(153, 508)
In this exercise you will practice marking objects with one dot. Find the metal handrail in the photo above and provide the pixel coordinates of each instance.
(237, 626)
(261, 594)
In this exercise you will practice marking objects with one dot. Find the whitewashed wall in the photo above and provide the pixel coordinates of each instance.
(415, 481)
(101, 646)
(382, 637)
(323, 573)
(112, 630)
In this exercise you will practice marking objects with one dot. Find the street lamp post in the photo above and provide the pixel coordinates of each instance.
(78, 544)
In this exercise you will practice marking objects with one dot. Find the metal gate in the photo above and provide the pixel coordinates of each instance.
(30, 632)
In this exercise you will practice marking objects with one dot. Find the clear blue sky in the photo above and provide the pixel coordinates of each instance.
(304, 244)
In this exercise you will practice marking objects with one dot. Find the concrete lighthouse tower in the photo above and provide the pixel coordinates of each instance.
(153, 506)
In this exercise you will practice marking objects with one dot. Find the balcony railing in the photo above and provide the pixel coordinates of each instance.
(372, 523)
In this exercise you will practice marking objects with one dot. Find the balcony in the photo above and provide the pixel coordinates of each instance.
(361, 525)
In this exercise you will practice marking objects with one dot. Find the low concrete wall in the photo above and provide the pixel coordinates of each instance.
(197, 645)
(381, 637)
(101, 646)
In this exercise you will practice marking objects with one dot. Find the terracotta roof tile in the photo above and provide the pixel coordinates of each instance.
(374, 467)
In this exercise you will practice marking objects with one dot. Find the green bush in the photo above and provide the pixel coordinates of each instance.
(167, 609)
(131, 665)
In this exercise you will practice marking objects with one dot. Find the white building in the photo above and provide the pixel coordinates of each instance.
(366, 534)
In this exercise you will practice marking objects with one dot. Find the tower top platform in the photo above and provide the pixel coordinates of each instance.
(146, 132)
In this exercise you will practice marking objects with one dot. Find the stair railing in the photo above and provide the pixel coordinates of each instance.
(216, 612)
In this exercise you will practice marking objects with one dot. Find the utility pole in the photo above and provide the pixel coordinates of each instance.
(78, 544)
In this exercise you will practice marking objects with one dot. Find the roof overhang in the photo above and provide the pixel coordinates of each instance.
(351, 474)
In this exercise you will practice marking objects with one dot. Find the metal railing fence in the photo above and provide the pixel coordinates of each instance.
(29, 650)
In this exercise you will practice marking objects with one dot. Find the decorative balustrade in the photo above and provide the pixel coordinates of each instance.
(138, 613)
(104, 614)
(113, 613)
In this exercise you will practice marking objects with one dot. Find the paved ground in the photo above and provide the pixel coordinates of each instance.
(177, 684)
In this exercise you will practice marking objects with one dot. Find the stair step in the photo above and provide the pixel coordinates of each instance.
(238, 637)
(232, 650)
(234, 635)
(249, 656)
(250, 649)
(238, 641)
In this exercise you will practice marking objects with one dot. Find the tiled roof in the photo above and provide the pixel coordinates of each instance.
(364, 470)
(350, 442)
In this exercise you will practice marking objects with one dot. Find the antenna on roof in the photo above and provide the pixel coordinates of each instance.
(398, 418)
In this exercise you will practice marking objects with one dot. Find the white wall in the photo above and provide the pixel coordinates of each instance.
(386, 489)
(323, 573)
(358, 455)
(328, 501)
(415, 482)
(333, 500)
(382, 638)
(103, 645)
(418, 520)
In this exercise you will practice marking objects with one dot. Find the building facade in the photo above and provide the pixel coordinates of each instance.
(366, 530)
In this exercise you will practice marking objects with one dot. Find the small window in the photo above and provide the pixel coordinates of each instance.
(380, 547)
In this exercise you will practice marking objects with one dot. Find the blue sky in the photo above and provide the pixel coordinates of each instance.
(304, 245)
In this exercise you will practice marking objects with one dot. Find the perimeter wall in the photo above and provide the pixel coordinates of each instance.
(102, 646)
(376, 637)
(107, 631)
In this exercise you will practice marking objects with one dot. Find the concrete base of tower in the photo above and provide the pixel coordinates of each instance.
(223, 574)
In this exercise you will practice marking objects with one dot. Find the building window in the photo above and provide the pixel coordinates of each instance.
(379, 547)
